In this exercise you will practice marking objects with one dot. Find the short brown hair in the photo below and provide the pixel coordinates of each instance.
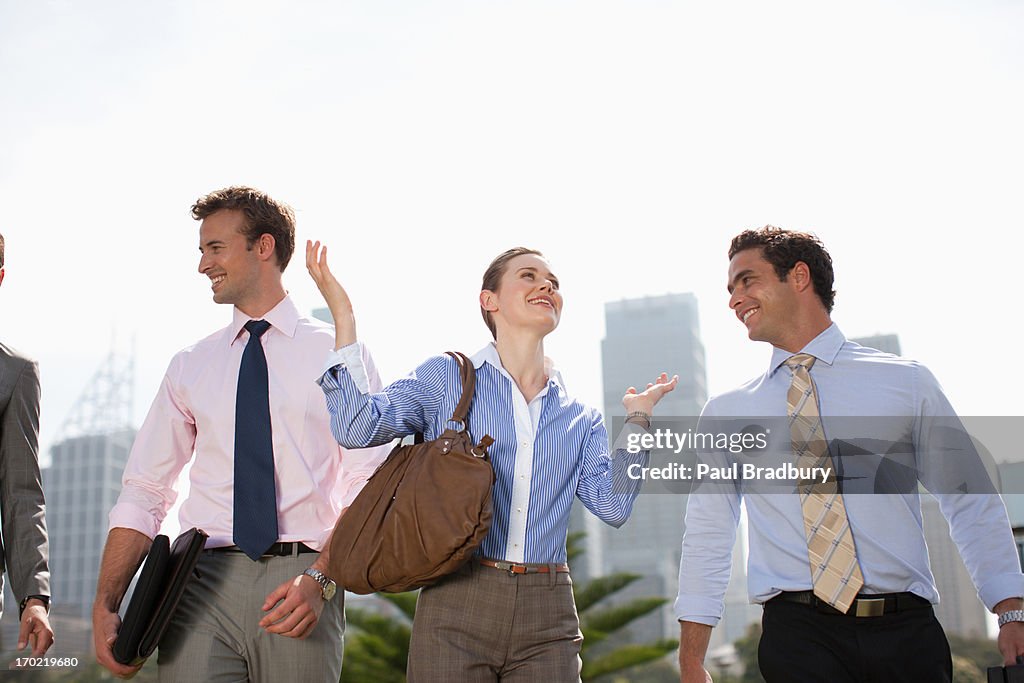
(784, 248)
(492, 278)
(263, 215)
(1, 251)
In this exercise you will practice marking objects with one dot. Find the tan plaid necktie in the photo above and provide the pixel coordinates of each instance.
(835, 572)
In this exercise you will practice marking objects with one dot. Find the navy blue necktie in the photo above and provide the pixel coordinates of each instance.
(255, 509)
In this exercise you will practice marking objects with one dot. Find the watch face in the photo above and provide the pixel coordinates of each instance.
(330, 589)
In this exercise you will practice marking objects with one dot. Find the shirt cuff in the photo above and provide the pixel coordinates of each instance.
(127, 516)
(629, 439)
(699, 609)
(1000, 588)
(351, 358)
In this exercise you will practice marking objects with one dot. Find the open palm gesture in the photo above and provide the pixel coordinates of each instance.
(334, 294)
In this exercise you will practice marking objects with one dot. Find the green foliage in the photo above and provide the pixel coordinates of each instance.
(602, 622)
(377, 647)
(405, 602)
(599, 588)
(627, 656)
(966, 671)
(661, 671)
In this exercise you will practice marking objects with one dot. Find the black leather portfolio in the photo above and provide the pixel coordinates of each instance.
(1007, 674)
(157, 593)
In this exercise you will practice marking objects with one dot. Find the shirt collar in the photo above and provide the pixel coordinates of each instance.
(489, 354)
(284, 317)
(825, 347)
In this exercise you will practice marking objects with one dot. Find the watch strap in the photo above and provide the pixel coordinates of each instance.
(1011, 615)
(321, 579)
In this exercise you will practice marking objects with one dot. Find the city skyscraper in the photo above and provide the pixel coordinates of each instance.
(644, 337)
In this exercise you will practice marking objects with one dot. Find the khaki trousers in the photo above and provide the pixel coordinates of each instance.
(482, 624)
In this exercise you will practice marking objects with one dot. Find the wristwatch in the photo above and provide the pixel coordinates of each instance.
(1011, 615)
(327, 586)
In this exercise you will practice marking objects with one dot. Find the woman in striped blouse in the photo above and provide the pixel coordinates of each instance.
(509, 614)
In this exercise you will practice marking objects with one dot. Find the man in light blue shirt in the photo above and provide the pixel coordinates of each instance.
(883, 417)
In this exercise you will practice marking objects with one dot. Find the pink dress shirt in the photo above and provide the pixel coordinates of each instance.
(194, 415)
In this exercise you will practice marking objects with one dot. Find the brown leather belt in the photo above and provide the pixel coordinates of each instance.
(863, 605)
(523, 568)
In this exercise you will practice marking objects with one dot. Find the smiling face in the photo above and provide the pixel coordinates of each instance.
(232, 265)
(763, 303)
(527, 296)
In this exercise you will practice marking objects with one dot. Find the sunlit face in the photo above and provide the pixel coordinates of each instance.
(761, 302)
(527, 296)
(233, 268)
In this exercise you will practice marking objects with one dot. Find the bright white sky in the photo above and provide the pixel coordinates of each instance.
(627, 140)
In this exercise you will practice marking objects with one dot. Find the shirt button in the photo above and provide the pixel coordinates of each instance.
(519, 509)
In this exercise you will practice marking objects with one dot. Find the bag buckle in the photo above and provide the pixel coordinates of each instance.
(480, 450)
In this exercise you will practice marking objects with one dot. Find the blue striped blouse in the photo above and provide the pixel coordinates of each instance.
(543, 453)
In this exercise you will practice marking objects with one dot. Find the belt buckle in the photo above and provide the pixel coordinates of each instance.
(509, 567)
(869, 607)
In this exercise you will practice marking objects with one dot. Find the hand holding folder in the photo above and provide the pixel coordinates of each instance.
(157, 593)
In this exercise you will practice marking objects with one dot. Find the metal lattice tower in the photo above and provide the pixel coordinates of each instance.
(105, 404)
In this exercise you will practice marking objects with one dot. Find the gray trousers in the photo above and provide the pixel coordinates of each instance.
(484, 625)
(215, 637)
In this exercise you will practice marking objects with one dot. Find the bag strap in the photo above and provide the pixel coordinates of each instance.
(468, 374)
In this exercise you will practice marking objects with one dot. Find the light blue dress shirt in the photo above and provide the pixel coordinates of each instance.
(545, 452)
(904, 406)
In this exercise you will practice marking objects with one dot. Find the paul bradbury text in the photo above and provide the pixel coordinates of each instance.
(732, 472)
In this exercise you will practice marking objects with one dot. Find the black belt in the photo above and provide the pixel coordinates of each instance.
(863, 605)
(276, 550)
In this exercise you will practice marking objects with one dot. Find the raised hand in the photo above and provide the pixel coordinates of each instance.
(645, 401)
(334, 294)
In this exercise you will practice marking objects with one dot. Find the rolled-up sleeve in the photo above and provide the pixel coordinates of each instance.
(162, 447)
(712, 515)
(609, 483)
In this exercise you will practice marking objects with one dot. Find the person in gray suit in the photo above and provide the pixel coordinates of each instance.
(24, 550)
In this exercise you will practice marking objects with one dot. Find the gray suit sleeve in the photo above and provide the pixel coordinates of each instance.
(21, 492)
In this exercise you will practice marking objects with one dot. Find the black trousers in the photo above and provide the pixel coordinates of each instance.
(801, 644)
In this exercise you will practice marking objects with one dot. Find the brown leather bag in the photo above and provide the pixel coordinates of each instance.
(421, 514)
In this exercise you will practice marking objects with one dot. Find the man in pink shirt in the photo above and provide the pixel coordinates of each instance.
(267, 478)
